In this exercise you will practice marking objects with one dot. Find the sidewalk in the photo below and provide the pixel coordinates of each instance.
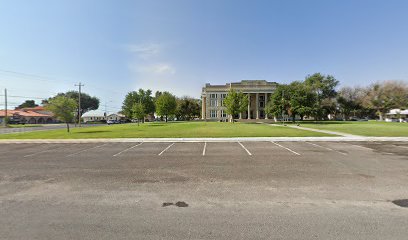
(324, 131)
(239, 139)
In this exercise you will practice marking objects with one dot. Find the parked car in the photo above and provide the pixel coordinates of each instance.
(109, 122)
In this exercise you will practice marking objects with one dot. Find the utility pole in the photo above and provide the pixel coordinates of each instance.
(79, 102)
(5, 109)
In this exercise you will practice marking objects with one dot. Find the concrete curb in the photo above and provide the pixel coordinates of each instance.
(238, 139)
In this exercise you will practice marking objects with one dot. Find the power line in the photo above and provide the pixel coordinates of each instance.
(10, 96)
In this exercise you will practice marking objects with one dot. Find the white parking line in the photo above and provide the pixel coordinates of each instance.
(47, 150)
(166, 149)
(360, 146)
(400, 146)
(73, 154)
(249, 153)
(127, 149)
(205, 146)
(290, 150)
(330, 149)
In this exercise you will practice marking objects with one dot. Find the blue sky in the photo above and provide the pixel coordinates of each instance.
(177, 45)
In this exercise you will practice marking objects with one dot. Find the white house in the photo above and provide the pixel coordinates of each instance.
(115, 117)
(397, 115)
(93, 116)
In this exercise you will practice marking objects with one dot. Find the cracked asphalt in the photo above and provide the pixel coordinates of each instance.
(197, 190)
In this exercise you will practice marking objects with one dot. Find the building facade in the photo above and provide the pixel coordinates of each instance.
(258, 92)
(35, 115)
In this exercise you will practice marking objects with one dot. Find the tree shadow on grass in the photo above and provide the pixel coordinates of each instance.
(91, 132)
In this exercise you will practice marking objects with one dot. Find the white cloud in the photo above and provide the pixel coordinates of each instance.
(157, 69)
(144, 50)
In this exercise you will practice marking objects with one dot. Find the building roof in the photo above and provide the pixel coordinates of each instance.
(94, 113)
(38, 108)
(117, 114)
(11, 113)
(397, 111)
(244, 85)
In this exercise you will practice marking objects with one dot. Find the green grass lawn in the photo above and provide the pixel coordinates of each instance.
(370, 128)
(169, 130)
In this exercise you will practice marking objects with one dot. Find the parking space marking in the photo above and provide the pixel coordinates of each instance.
(400, 146)
(249, 153)
(360, 146)
(290, 150)
(73, 154)
(204, 149)
(330, 149)
(127, 149)
(166, 149)
(47, 150)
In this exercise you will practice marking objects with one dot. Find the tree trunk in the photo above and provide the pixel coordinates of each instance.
(67, 127)
(166, 118)
(138, 121)
(381, 116)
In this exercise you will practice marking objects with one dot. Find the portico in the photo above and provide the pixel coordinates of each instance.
(258, 92)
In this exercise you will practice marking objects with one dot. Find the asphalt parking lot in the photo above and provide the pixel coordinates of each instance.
(203, 190)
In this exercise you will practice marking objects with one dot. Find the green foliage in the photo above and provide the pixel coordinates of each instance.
(87, 102)
(187, 108)
(384, 96)
(63, 108)
(166, 104)
(138, 111)
(27, 104)
(235, 103)
(293, 99)
(324, 87)
(140, 96)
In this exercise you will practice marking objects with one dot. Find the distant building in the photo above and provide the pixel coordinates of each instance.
(258, 92)
(116, 117)
(98, 116)
(93, 116)
(397, 115)
(35, 115)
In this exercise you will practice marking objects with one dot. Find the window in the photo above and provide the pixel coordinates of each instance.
(223, 96)
(223, 114)
(213, 103)
(261, 101)
(213, 113)
(213, 95)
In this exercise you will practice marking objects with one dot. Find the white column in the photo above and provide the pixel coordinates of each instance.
(240, 115)
(257, 105)
(266, 101)
(204, 106)
(249, 106)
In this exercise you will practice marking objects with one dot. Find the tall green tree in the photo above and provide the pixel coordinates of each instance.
(140, 96)
(27, 104)
(386, 95)
(138, 112)
(166, 105)
(187, 108)
(349, 101)
(88, 103)
(63, 109)
(279, 103)
(324, 86)
(235, 102)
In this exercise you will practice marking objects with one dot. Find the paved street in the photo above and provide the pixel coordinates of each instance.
(203, 190)
(41, 128)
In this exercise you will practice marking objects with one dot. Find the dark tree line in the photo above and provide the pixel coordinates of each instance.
(140, 104)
